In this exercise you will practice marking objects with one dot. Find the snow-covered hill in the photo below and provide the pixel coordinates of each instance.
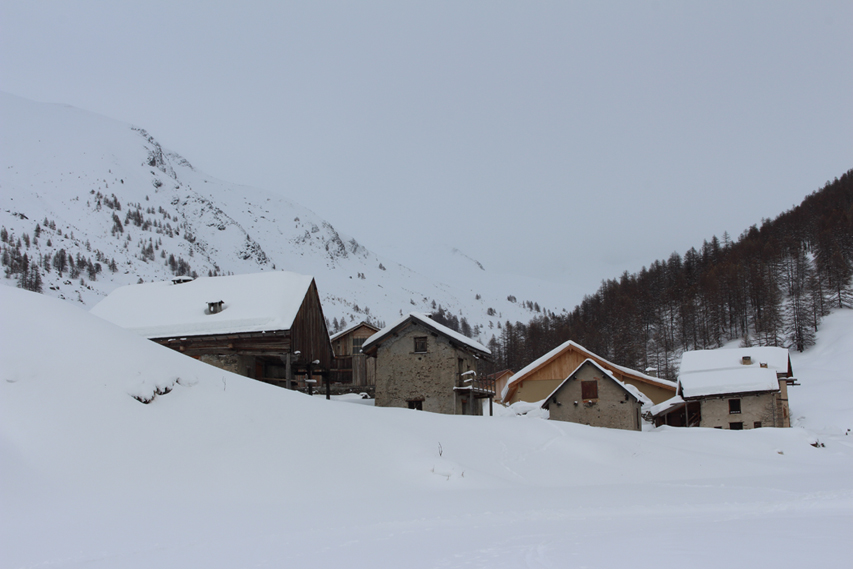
(222, 471)
(105, 203)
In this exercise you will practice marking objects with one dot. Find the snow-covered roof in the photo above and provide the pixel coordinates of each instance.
(430, 323)
(633, 391)
(258, 302)
(711, 360)
(717, 372)
(351, 328)
(719, 382)
(665, 406)
(565, 346)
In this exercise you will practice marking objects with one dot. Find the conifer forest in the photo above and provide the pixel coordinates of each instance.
(770, 287)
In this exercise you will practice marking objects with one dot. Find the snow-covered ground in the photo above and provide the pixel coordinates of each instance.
(222, 471)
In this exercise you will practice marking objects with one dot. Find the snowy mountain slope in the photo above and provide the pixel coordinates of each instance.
(823, 402)
(222, 471)
(124, 208)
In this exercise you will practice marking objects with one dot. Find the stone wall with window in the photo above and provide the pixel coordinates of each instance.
(741, 411)
(590, 397)
(418, 369)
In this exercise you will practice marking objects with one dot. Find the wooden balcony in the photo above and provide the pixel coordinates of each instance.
(480, 388)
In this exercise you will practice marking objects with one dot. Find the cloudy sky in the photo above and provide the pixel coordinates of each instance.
(567, 140)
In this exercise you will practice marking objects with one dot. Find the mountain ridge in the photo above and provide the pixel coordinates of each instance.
(110, 196)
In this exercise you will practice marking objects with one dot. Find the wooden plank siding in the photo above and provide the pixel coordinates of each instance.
(309, 333)
(245, 344)
(541, 382)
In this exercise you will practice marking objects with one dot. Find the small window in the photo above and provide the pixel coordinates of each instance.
(736, 426)
(420, 344)
(756, 425)
(417, 405)
(589, 389)
(734, 406)
(356, 345)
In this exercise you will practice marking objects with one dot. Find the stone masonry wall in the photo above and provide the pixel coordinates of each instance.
(402, 375)
(614, 408)
(759, 407)
(241, 365)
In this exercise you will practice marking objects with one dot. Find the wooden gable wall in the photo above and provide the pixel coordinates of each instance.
(343, 344)
(541, 382)
(309, 333)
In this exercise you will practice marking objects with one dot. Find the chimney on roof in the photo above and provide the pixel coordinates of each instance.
(214, 307)
(746, 360)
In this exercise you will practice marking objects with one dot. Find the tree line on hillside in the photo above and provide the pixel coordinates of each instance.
(24, 261)
(29, 260)
(771, 287)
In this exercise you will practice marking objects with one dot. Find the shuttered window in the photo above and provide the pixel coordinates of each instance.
(589, 389)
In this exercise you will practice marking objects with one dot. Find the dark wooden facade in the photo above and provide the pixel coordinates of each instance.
(351, 367)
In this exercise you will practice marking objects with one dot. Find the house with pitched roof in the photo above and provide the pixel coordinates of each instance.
(268, 326)
(352, 367)
(736, 389)
(421, 364)
(541, 377)
(592, 395)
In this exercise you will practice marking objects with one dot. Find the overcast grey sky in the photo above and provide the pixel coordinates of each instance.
(568, 140)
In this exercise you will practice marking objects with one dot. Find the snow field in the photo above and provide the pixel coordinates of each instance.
(222, 471)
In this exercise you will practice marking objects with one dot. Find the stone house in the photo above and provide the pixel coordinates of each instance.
(540, 378)
(736, 389)
(591, 395)
(421, 364)
(351, 366)
(268, 326)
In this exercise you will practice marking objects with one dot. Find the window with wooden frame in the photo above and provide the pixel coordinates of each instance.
(420, 344)
(589, 390)
(734, 406)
